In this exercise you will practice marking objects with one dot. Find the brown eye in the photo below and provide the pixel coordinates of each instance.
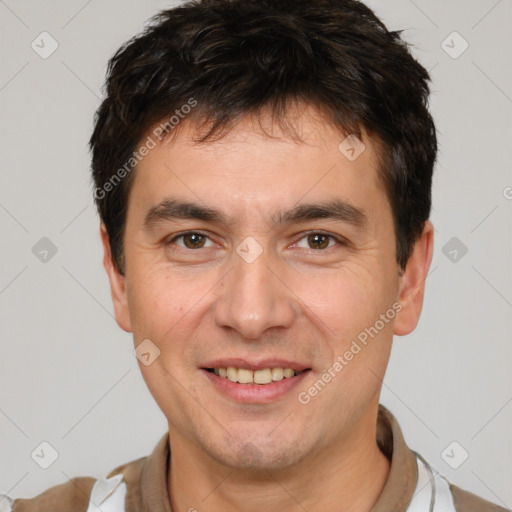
(318, 241)
(193, 240)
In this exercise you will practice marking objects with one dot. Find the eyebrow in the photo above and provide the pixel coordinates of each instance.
(336, 209)
(173, 209)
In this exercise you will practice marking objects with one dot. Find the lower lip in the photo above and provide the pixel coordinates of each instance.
(255, 393)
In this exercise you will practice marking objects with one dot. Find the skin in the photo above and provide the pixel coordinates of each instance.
(293, 302)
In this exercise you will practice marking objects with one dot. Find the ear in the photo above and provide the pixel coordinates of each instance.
(117, 284)
(412, 282)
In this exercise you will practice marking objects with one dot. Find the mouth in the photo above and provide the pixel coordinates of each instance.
(261, 383)
(260, 377)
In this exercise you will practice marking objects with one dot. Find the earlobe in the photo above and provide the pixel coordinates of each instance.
(117, 283)
(412, 282)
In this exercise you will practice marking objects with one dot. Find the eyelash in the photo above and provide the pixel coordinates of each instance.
(339, 240)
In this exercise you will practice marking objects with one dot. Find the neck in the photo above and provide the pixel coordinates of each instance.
(348, 476)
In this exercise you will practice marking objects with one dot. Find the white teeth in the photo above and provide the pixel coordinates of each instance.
(264, 376)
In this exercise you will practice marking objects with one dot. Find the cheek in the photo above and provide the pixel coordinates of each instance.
(346, 299)
(346, 307)
(161, 302)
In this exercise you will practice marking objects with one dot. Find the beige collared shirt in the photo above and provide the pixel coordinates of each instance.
(141, 485)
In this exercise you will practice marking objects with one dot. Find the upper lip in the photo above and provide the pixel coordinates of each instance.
(256, 365)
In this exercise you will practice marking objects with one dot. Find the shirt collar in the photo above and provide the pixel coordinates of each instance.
(403, 473)
(146, 478)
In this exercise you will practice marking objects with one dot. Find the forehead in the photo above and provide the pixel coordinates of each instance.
(258, 165)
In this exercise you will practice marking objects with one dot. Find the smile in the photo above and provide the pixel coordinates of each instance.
(263, 376)
(260, 385)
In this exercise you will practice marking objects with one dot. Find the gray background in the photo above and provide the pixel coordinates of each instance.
(67, 372)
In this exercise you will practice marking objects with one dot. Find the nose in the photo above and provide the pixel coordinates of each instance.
(253, 298)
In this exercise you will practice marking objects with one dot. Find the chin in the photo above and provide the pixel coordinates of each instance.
(259, 453)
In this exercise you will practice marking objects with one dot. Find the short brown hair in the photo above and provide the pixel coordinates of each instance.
(237, 57)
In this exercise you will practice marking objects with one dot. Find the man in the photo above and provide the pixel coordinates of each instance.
(263, 175)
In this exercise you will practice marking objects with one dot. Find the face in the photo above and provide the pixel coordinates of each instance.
(270, 260)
